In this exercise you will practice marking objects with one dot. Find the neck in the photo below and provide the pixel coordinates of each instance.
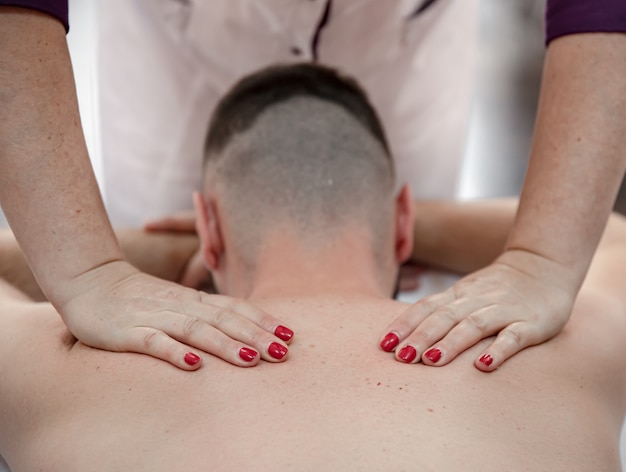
(289, 267)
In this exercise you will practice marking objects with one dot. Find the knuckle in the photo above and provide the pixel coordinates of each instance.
(446, 314)
(426, 304)
(205, 298)
(191, 326)
(254, 338)
(478, 321)
(236, 305)
(220, 315)
(150, 340)
(424, 337)
(513, 337)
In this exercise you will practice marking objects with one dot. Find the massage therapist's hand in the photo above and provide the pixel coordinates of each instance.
(117, 308)
(520, 298)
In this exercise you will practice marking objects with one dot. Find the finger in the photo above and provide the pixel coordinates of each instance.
(411, 318)
(510, 341)
(228, 320)
(434, 329)
(251, 312)
(224, 334)
(475, 327)
(428, 338)
(174, 345)
(157, 344)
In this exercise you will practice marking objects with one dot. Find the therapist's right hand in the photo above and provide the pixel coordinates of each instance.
(115, 307)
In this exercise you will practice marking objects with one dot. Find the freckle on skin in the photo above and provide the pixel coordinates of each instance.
(378, 384)
(431, 410)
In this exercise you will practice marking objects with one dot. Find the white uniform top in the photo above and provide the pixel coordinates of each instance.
(163, 64)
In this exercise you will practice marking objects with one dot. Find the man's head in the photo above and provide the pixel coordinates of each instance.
(296, 149)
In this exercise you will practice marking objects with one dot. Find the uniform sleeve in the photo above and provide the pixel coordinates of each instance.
(584, 16)
(56, 8)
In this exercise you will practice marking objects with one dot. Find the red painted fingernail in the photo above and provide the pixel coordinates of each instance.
(433, 355)
(407, 354)
(486, 359)
(277, 351)
(247, 354)
(389, 342)
(283, 333)
(191, 358)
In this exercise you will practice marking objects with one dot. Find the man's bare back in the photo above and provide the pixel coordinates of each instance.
(300, 216)
(338, 403)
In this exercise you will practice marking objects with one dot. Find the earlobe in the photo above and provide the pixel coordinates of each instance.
(207, 227)
(404, 225)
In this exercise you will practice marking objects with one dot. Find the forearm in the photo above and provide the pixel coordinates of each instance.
(47, 187)
(164, 255)
(461, 236)
(14, 269)
(578, 155)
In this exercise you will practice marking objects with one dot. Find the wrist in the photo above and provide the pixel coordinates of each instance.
(541, 267)
(106, 274)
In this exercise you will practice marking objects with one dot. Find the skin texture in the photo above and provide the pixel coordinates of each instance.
(166, 256)
(51, 200)
(576, 166)
(339, 403)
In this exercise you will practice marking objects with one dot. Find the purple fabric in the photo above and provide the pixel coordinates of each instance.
(56, 8)
(584, 16)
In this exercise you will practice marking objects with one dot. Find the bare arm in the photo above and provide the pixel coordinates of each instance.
(47, 187)
(50, 197)
(526, 295)
(578, 155)
(461, 236)
(163, 255)
(466, 236)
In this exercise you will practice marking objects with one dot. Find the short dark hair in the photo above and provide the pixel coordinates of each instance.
(248, 98)
(298, 146)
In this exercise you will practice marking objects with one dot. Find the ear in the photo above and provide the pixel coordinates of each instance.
(404, 225)
(207, 227)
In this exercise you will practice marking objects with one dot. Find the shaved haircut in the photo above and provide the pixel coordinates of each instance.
(299, 146)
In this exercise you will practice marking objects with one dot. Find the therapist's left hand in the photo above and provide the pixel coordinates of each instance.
(520, 299)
